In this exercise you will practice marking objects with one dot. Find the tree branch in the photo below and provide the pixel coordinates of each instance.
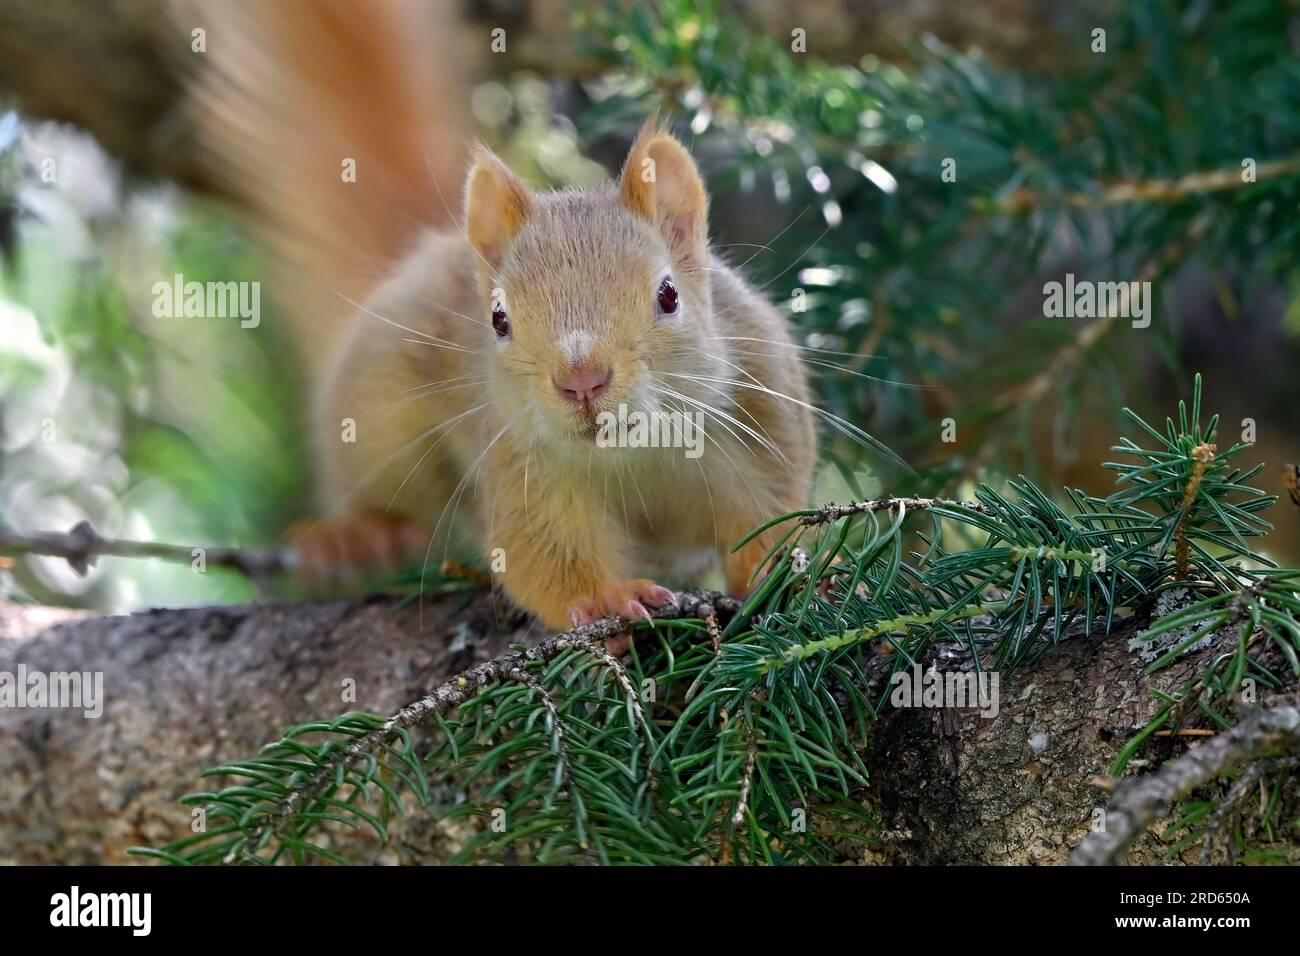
(832, 512)
(81, 546)
(1152, 190)
(1139, 801)
(507, 668)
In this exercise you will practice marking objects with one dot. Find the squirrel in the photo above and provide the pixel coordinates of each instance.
(487, 358)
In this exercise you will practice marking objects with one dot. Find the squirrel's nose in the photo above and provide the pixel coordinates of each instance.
(584, 383)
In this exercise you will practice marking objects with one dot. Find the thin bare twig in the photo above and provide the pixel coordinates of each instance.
(1140, 801)
(834, 512)
(1151, 190)
(715, 631)
(1231, 806)
(747, 778)
(81, 546)
(1227, 810)
(520, 676)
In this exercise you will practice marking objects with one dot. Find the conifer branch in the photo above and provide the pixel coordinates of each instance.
(1202, 455)
(511, 668)
(1033, 391)
(1151, 190)
(833, 512)
(1140, 801)
(897, 625)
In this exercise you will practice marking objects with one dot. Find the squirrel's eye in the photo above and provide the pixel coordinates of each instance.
(499, 321)
(667, 297)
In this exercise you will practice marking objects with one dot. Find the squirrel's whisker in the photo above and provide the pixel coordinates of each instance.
(802, 257)
(795, 345)
(438, 345)
(839, 368)
(435, 387)
(427, 453)
(839, 424)
(731, 461)
(426, 338)
(770, 442)
(397, 453)
(467, 318)
(455, 499)
(723, 418)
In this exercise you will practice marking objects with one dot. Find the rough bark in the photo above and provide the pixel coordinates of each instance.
(1027, 787)
(188, 688)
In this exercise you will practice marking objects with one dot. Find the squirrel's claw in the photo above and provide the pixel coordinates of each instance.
(629, 599)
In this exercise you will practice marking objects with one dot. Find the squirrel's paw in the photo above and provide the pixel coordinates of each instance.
(353, 547)
(626, 598)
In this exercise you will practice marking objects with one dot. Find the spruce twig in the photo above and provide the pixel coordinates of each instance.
(1151, 190)
(1140, 801)
(777, 715)
(833, 512)
(510, 668)
(1202, 455)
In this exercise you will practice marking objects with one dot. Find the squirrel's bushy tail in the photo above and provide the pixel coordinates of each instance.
(339, 126)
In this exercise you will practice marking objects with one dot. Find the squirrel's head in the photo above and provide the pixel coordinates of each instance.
(595, 298)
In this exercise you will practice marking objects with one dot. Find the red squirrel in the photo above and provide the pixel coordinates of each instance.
(479, 354)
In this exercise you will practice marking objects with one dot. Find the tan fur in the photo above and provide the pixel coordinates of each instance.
(496, 205)
(462, 435)
(285, 92)
(579, 272)
(676, 202)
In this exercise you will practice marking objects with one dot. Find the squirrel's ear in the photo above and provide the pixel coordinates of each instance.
(661, 183)
(497, 202)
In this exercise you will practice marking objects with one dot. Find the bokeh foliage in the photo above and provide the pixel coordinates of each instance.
(914, 279)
